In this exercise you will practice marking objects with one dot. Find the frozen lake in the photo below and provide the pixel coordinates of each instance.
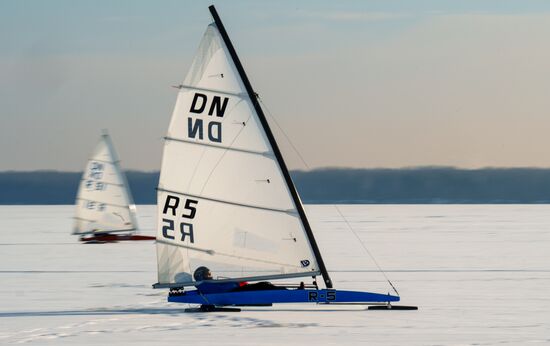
(480, 275)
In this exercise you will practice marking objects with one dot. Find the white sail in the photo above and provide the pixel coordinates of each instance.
(223, 201)
(104, 204)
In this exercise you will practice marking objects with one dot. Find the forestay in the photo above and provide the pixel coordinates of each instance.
(223, 201)
(104, 204)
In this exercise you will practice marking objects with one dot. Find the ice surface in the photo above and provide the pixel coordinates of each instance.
(480, 275)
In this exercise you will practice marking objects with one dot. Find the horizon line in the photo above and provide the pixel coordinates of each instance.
(404, 168)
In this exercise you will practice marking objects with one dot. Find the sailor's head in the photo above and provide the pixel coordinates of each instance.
(202, 273)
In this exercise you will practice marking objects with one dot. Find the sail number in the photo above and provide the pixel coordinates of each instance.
(96, 170)
(197, 126)
(320, 296)
(169, 225)
(92, 205)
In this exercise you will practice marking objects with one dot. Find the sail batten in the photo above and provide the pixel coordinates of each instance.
(83, 219)
(287, 211)
(123, 206)
(262, 153)
(241, 95)
(106, 182)
(104, 204)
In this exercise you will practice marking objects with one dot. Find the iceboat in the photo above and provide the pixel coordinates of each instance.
(105, 211)
(226, 200)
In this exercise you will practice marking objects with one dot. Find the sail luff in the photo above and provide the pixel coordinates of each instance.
(273, 143)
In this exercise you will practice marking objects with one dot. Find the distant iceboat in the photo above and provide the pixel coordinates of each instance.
(105, 211)
(228, 211)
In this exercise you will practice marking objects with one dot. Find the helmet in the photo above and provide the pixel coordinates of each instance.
(202, 273)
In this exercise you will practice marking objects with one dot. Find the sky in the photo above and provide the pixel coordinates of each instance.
(357, 84)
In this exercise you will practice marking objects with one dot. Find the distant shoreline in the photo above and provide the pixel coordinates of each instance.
(423, 185)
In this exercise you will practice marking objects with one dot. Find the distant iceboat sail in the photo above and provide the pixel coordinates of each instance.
(225, 197)
(104, 203)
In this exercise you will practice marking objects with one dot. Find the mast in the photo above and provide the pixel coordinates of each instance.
(276, 151)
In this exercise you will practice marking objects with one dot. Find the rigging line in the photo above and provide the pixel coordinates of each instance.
(366, 249)
(106, 203)
(204, 297)
(202, 144)
(217, 253)
(284, 133)
(204, 151)
(225, 152)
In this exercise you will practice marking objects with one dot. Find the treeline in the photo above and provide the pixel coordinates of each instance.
(405, 186)
(53, 187)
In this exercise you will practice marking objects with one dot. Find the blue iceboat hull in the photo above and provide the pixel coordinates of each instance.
(268, 297)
